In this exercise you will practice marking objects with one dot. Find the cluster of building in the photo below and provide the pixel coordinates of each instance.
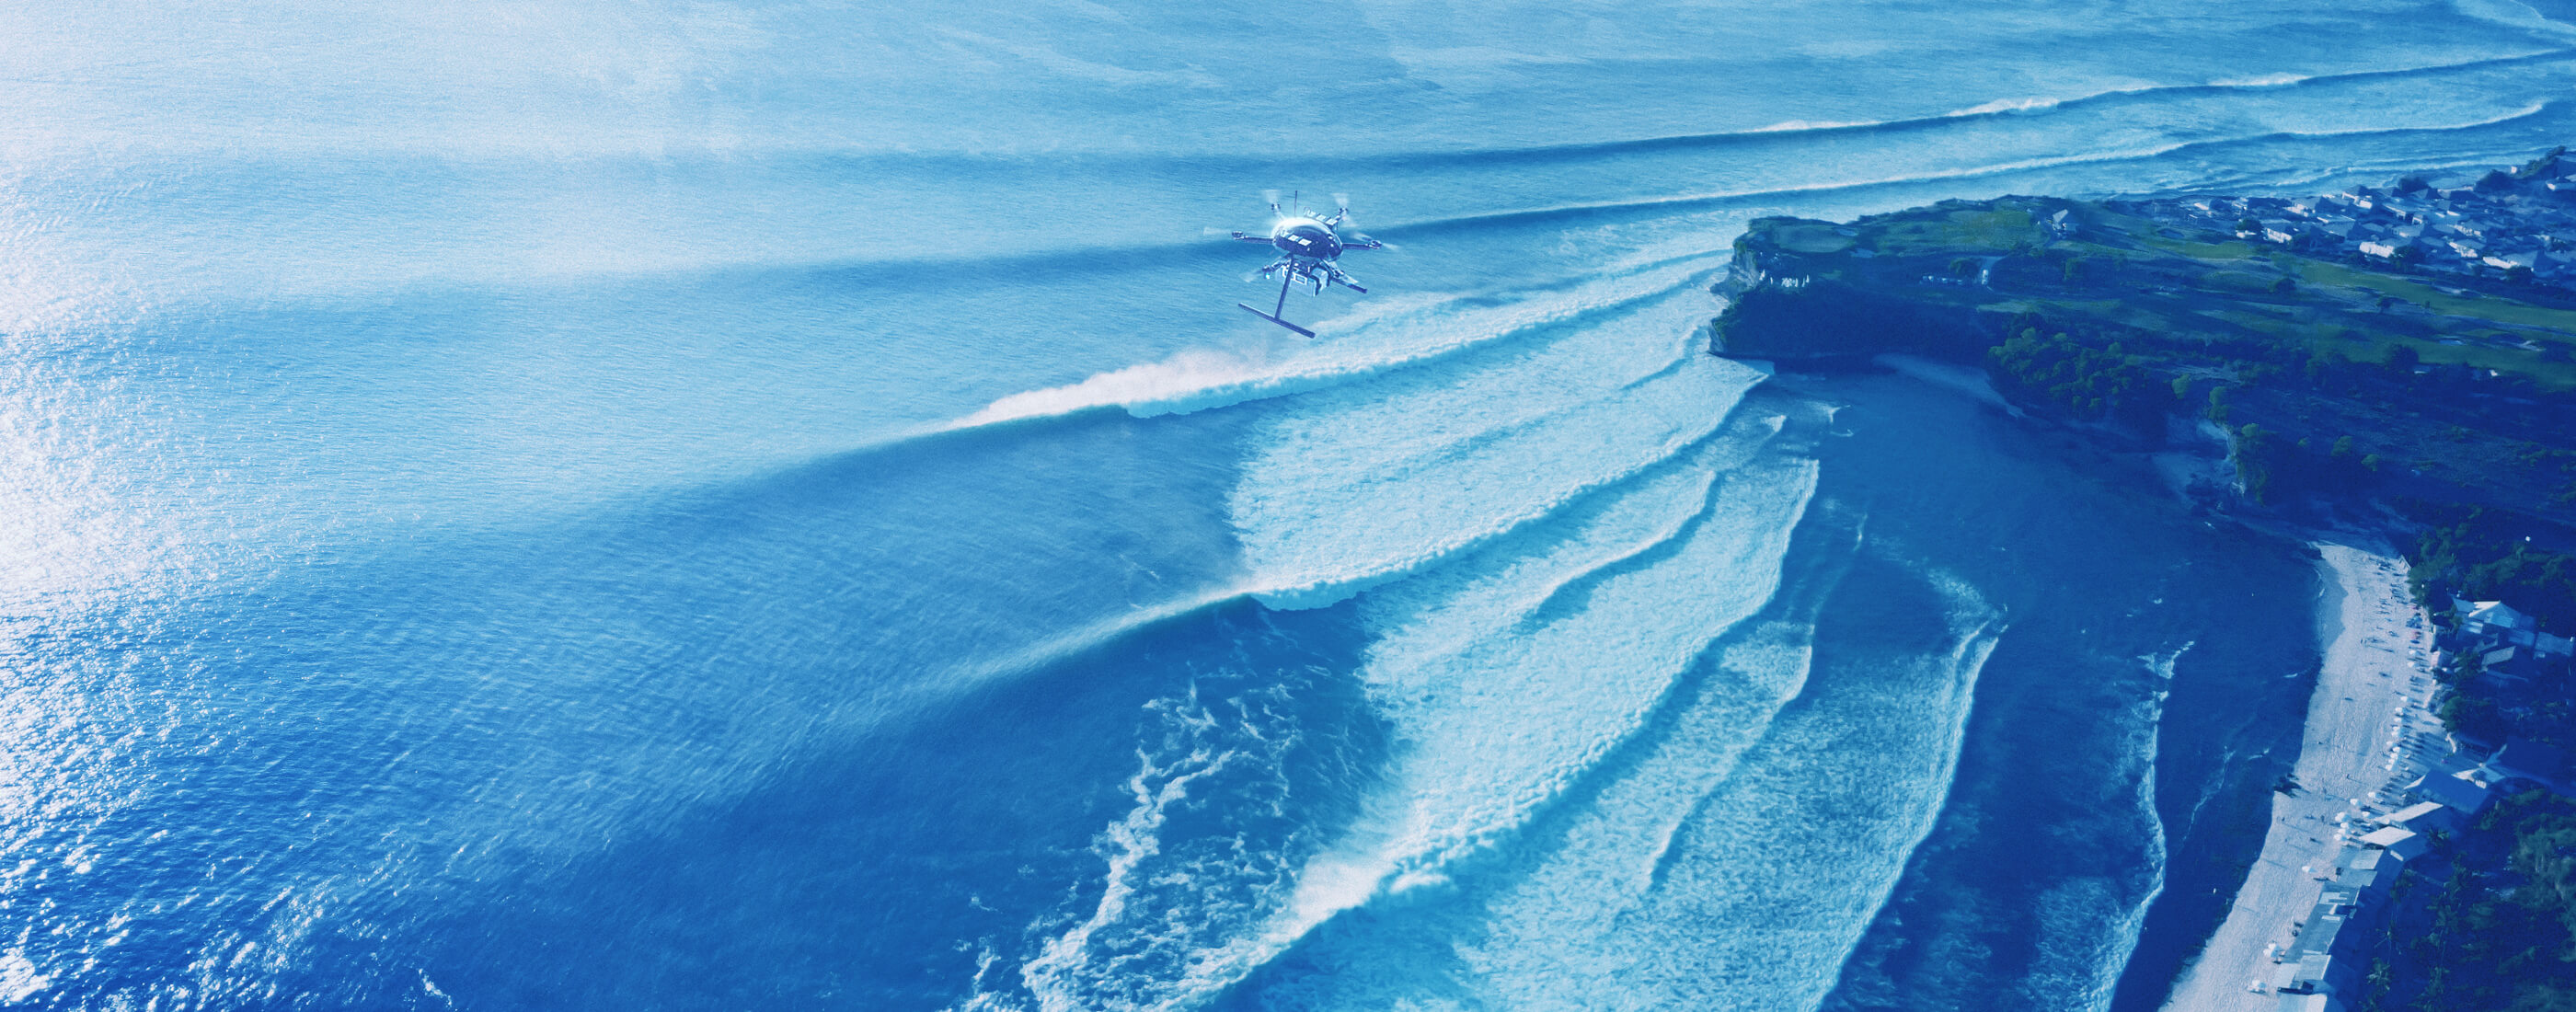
(2509, 646)
(2441, 783)
(2526, 222)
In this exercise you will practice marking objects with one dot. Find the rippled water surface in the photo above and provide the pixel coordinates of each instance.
(769, 505)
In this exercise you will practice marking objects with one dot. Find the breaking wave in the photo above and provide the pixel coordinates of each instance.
(1394, 335)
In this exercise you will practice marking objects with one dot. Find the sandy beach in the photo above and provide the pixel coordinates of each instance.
(2369, 694)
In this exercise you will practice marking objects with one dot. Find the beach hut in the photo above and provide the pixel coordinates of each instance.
(2400, 843)
(2308, 1003)
(2460, 792)
(2425, 817)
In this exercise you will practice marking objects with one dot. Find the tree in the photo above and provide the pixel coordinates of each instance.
(2253, 448)
(2182, 387)
(2402, 360)
(2248, 225)
(2342, 448)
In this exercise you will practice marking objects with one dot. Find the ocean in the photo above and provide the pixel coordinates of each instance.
(732, 505)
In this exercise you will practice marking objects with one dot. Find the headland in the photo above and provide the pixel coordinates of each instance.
(2385, 373)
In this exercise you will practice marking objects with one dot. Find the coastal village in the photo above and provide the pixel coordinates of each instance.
(2380, 364)
(2491, 228)
(2379, 793)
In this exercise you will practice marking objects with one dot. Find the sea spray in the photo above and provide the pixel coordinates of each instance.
(1409, 331)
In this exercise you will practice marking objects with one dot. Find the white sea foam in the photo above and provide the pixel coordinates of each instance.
(19, 977)
(2259, 81)
(1386, 337)
(1495, 713)
(1803, 125)
(2082, 958)
(1171, 912)
(1461, 677)
(2006, 105)
(1350, 491)
(1494, 718)
(1770, 856)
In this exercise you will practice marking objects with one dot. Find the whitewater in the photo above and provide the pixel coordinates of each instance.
(726, 505)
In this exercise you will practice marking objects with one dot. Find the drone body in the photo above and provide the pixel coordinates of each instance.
(1308, 246)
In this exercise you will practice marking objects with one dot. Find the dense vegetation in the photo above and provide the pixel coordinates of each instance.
(2082, 381)
(2366, 375)
(2478, 554)
(2344, 388)
(2484, 555)
(2499, 934)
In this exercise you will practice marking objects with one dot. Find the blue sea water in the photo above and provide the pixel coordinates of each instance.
(727, 505)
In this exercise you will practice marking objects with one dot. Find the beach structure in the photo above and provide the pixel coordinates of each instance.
(2495, 624)
(2426, 817)
(2459, 791)
(2312, 966)
(2508, 664)
(2397, 841)
(2529, 760)
(2370, 872)
(2482, 617)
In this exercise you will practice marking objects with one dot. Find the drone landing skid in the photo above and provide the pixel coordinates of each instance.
(1274, 319)
(1273, 314)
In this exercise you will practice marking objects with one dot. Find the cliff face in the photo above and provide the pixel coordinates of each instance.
(2333, 377)
(1826, 322)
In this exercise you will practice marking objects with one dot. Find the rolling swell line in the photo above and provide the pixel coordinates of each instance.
(1734, 446)
(1124, 258)
(2526, 112)
(1403, 849)
(1782, 133)
(1468, 445)
(1686, 202)
(1230, 162)
(1614, 209)
(1323, 589)
(1475, 841)
(1196, 381)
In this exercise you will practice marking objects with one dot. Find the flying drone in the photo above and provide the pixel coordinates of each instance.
(1308, 244)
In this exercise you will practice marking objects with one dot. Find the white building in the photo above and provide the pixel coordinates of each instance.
(2400, 843)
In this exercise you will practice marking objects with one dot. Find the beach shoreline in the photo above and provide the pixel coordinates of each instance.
(2366, 679)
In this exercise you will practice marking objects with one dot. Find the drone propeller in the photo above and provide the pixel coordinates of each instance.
(1353, 236)
(1273, 197)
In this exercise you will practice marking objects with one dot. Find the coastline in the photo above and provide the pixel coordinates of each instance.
(2366, 677)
